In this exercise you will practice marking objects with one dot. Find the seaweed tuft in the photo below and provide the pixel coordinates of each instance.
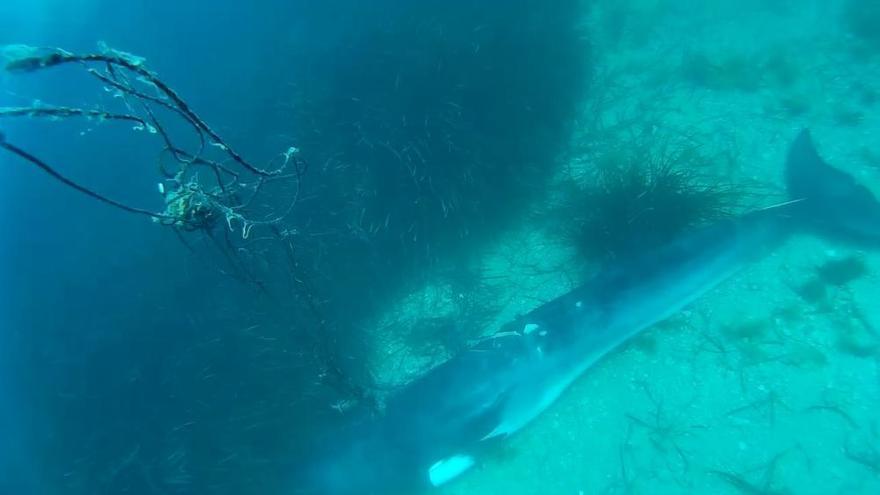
(643, 197)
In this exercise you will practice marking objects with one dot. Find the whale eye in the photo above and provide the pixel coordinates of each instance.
(446, 469)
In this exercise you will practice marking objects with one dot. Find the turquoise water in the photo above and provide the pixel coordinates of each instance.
(446, 144)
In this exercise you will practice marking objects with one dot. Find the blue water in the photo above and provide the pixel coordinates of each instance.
(450, 146)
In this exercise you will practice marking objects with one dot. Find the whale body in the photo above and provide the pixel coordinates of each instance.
(436, 428)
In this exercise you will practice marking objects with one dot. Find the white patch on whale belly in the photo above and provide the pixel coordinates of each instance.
(445, 470)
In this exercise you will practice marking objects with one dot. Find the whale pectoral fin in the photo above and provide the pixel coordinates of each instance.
(449, 468)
